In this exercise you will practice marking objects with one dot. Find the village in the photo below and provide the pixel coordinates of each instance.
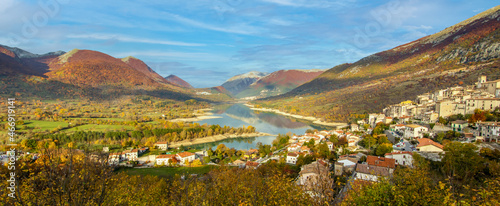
(368, 150)
(359, 151)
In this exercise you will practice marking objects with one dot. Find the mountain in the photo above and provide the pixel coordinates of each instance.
(454, 56)
(241, 82)
(178, 81)
(82, 74)
(92, 68)
(140, 66)
(15, 61)
(279, 82)
(20, 53)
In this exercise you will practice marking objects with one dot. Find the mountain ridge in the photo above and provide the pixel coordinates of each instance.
(391, 76)
(241, 82)
(279, 82)
(173, 79)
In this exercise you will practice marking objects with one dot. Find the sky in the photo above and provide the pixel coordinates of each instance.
(206, 42)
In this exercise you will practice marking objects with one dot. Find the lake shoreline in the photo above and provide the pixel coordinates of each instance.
(216, 138)
(199, 116)
(314, 120)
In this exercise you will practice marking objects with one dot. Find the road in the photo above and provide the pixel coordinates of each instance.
(405, 147)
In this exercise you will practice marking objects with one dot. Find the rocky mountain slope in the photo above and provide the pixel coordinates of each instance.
(279, 82)
(241, 82)
(455, 55)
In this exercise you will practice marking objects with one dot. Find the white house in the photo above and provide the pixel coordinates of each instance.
(353, 141)
(291, 158)
(427, 145)
(132, 154)
(490, 130)
(183, 156)
(163, 159)
(162, 145)
(354, 127)
(402, 158)
(330, 145)
(115, 158)
(374, 119)
(294, 147)
(415, 131)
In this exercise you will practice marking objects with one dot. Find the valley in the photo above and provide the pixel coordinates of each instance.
(253, 110)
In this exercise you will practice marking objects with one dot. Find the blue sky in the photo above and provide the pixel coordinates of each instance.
(205, 42)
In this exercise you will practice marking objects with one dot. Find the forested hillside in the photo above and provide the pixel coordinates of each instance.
(454, 56)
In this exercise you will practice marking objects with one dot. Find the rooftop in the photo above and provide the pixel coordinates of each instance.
(165, 156)
(185, 154)
(426, 141)
(381, 161)
(374, 170)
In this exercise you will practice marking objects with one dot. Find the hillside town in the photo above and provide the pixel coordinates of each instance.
(367, 151)
(460, 100)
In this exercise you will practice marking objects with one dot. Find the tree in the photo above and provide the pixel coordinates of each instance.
(461, 161)
(334, 138)
(196, 163)
(478, 116)
(221, 148)
(323, 150)
(206, 159)
(383, 148)
(383, 139)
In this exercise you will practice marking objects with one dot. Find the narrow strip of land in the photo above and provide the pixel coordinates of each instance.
(201, 114)
(314, 120)
(217, 138)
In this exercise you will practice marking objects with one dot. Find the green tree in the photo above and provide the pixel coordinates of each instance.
(383, 148)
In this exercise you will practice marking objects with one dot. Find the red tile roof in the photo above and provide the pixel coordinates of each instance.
(165, 156)
(381, 161)
(426, 141)
(293, 154)
(252, 164)
(185, 154)
(162, 142)
(400, 152)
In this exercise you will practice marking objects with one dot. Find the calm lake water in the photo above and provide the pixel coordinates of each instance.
(239, 115)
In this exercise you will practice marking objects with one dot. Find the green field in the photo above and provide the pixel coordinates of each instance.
(167, 171)
(107, 118)
(43, 125)
(95, 127)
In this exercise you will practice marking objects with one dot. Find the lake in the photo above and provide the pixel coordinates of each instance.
(239, 115)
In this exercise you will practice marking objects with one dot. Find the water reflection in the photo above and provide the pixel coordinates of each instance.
(239, 115)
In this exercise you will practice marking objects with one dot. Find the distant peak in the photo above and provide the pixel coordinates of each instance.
(252, 74)
(126, 59)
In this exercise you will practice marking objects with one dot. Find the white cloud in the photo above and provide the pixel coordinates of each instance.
(310, 4)
(124, 38)
(238, 29)
(192, 56)
(279, 22)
